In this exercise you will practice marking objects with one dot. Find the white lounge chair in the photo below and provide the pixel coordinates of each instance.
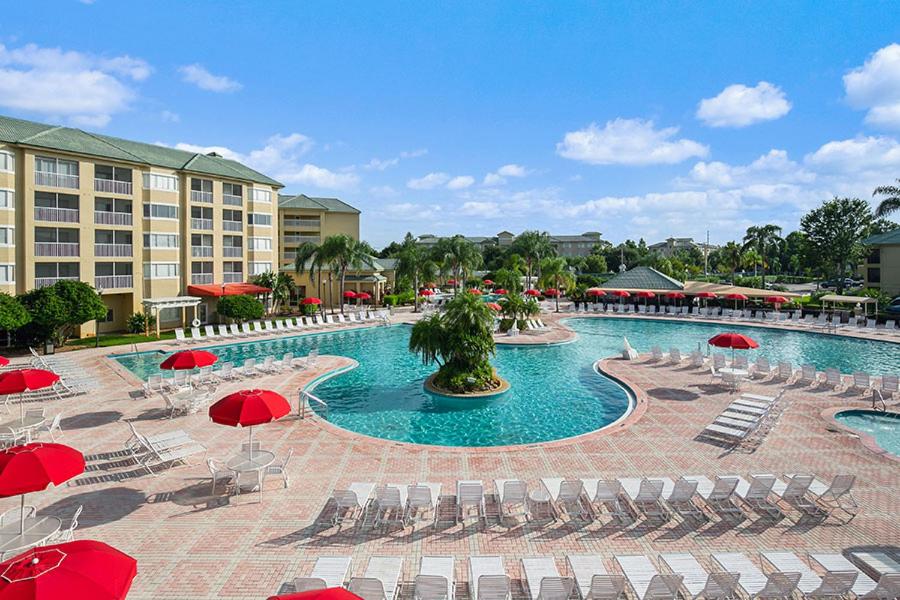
(755, 494)
(381, 580)
(862, 383)
(681, 500)
(249, 368)
(543, 581)
(234, 331)
(646, 581)
(179, 336)
(351, 502)
(592, 580)
(245, 329)
(753, 582)
(421, 499)
(223, 331)
(328, 572)
(436, 579)
(210, 332)
(469, 495)
(488, 579)
(863, 586)
(834, 585)
(718, 585)
(512, 497)
(195, 335)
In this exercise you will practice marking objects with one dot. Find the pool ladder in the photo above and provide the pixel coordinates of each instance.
(306, 399)
(876, 398)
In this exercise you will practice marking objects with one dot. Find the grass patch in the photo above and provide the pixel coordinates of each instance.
(118, 339)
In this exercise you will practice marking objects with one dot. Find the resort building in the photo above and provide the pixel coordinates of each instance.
(882, 265)
(673, 245)
(137, 221)
(565, 245)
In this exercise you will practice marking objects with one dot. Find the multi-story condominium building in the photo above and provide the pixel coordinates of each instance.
(137, 221)
(565, 245)
(881, 269)
(672, 246)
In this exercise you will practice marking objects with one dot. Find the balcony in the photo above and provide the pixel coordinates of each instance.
(110, 282)
(232, 200)
(233, 251)
(201, 278)
(113, 250)
(63, 249)
(110, 186)
(203, 224)
(201, 251)
(232, 225)
(198, 196)
(60, 215)
(56, 180)
(232, 278)
(303, 224)
(102, 217)
(40, 282)
(301, 239)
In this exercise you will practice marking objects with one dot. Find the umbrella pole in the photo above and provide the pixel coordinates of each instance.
(22, 516)
(250, 450)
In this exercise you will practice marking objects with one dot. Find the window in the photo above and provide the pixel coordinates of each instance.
(162, 183)
(260, 243)
(7, 273)
(7, 162)
(54, 200)
(232, 189)
(201, 268)
(111, 173)
(56, 270)
(55, 165)
(199, 239)
(7, 236)
(201, 185)
(160, 270)
(112, 205)
(160, 240)
(161, 211)
(874, 256)
(109, 236)
(109, 316)
(873, 275)
(56, 234)
(7, 199)
(261, 195)
(233, 266)
(108, 269)
(232, 215)
(258, 268)
(260, 219)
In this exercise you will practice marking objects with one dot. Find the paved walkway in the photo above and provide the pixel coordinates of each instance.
(191, 544)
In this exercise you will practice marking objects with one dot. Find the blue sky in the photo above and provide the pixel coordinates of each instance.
(633, 119)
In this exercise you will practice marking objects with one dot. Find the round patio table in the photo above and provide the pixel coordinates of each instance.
(37, 531)
(25, 424)
(242, 463)
(734, 371)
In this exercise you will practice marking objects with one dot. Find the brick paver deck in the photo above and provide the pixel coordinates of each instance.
(193, 545)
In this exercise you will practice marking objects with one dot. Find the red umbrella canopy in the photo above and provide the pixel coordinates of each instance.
(645, 294)
(79, 570)
(736, 297)
(247, 408)
(24, 380)
(500, 291)
(705, 295)
(551, 292)
(776, 300)
(494, 306)
(426, 293)
(363, 295)
(311, 300)
(532, 293)
(475, 291)
(595, 292)
(37, 466)
(620, 294)
(3, 361)
(349, 294)
(674, 295)
(488, 282)
(189, 359)
(734, 341)
(451, 282)
(326, 594)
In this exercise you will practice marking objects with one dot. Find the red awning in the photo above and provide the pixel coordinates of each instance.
(226, 289)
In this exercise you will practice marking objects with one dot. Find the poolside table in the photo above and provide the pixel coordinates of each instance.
(242, 463)
(37, 531)
(26, 425)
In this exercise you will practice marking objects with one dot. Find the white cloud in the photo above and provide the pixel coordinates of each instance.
(197, 74)
(428, 182)
(167, 116)
(628, 142)
(857, 154)
(480, 209)
(321, 177)
(87, 89)
(738, 105)
(383, 191)
(410, 211)
(775, 166)
(460, 183)
(492, 179)
(876, 86)
(377, 164)
(500, 176)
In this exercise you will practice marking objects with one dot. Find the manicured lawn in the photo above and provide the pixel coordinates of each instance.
(119, 339)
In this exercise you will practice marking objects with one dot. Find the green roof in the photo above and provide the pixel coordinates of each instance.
(303, 201)
(76, 141)
(642, 278)
(882, 239)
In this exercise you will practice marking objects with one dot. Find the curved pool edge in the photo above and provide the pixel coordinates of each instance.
(867, 441)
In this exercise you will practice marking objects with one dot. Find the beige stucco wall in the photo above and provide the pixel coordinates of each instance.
(890, 270)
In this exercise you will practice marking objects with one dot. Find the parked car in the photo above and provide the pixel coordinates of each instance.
(894, 307)
(833, 283)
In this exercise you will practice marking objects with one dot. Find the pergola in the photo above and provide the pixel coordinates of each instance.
(153, 306)
(836, 299)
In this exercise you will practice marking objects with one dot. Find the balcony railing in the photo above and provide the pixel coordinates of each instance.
(201, 278)
(56, 180)
(290, 254)
(233, 251)
(109, 282)
(113, 250)
(233, 277)
(103, 217)
(232, 200)
(301, 239)
(61, 215)
(201, 251)
(303, 223)
(56, 249)
(232, 225)
(40, 282)
(205, 224)
(198, 196)
(110, 186)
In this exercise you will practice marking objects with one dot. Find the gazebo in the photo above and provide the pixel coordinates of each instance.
(153, 306)
(836, 299)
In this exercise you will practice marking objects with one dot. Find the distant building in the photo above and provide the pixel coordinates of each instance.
(882, 266)
(565, 245)
(673, 245)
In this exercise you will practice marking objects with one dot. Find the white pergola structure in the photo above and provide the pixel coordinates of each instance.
(153, 306)
(863, 301)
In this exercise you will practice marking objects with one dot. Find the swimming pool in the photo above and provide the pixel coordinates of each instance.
(555, 391)
(883, 427)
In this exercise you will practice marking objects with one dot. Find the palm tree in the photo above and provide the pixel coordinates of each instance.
(282, 288)
(458, 257)
(343, 252)
(508, 279)
(732, 254)
(890, 204)
(533, 246)
(414, 264)
(555, 273)
(751, 260)
(310, 258)
(762, 237)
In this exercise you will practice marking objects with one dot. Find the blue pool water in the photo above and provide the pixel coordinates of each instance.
(555, 392)
(884, 427)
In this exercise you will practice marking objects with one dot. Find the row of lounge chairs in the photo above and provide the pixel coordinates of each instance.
(626, 499)
(289, 324)
(167, 448)
(725, 575)
(749, 417)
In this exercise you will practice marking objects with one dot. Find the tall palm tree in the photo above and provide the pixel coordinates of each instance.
(555, 273)
(533, 246)
(732, 254)
(310, 259)
(414, 264)
(458, 257)
(751, 260)
(343, 252)
(282, 287)
(891, 203)
(763, 238)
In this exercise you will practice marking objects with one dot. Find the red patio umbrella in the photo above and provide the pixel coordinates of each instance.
(426, 293)
(363, 296)
(500, 292)
(736, 297)
(674, 295)
(189, 359)
(3, 361)
(311, 300)
(594, 292)
(735, 341)
(336, 593)
(349, 294)
(451, 282)
(35, 467)
(26, 380)
(645, 294)
(494, 306)
(532, 293)
(776, 300)
(619, 294)
(488, 282)
(551, 292)
(475, 291)
(247, 408)
(705, 295)
(78, 570)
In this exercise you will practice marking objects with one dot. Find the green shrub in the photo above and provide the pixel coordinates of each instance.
(240, 308)
(12, 314)
(136, 323)
(391, 300)
(308, 310)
